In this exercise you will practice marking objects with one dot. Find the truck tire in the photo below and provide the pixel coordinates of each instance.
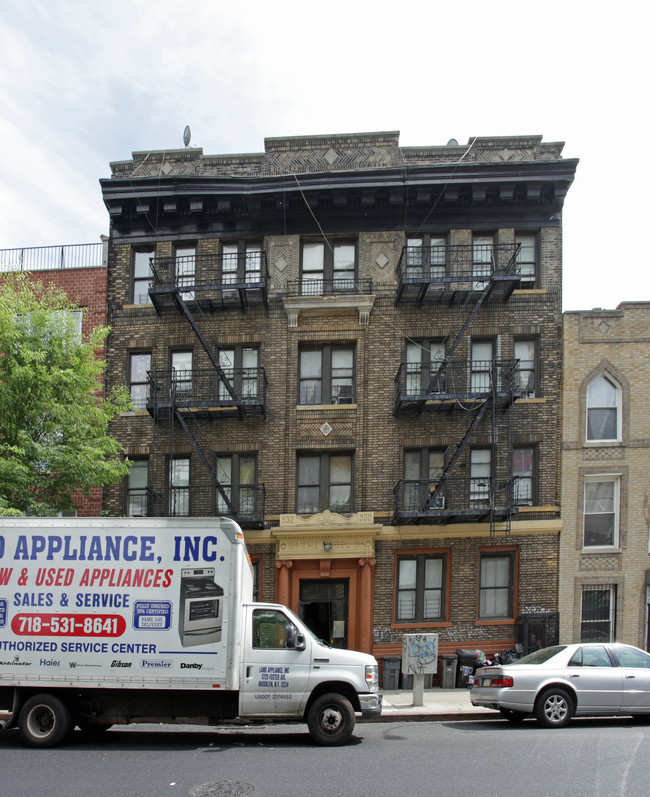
(44, 721)
(331, 719)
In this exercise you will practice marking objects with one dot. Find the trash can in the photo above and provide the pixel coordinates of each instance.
(448, 675)
(467, 663)
(390, 672)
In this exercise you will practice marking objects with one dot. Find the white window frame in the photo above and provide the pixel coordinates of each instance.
(618, 408)
(615, 479)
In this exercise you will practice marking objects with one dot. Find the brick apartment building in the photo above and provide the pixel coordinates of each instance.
(80, 271)
(353, 348)
(604, 585)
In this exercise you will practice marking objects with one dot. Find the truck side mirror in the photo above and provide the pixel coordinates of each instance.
(295, 640)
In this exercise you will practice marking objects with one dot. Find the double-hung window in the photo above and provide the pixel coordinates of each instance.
(527, 259)
(326, 375)
(603, 410)
(324, 481)
(136, 495)
(481, 366)
(496, 585)
(598, 613)
(139, 367)
(421, 588)
(185, 270)
(142, 275)
(237, 475)
(526, 356)
(423, 358)
(601, 511)
(328, 268)
(241, 262)
(240, 366)
(480, 470)
(426, 257)
(523, 469)
(181, 365)
(423, 468)
(482, 260)
(179, 486)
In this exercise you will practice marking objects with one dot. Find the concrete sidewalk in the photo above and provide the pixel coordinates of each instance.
(439, 704)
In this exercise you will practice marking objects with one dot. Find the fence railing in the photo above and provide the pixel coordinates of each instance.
(49, 258)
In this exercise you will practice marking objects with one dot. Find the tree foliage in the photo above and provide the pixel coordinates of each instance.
(54, 415)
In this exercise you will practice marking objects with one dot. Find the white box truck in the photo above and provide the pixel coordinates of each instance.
(120, 620)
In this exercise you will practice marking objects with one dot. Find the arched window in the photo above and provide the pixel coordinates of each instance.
(603, 410)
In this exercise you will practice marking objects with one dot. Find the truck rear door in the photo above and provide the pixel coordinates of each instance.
(276, 663)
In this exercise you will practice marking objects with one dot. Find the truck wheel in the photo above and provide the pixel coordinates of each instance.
(44, 721)
(331, 719)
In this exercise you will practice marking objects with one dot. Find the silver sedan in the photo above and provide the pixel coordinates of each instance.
(565, 681)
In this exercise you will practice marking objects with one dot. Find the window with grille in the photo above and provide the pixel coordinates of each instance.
(598, 612)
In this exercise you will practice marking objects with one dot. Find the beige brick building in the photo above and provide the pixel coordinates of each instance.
(604, 566)
(353, 348)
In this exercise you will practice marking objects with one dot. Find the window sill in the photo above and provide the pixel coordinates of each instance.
(604, 444)
(321, 407)
(601, 549)
(509, 621)
(533, 400)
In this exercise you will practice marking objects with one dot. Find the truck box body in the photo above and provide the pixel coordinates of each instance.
(124, 620)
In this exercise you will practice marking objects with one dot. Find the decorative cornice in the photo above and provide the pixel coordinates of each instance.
(326, 535)
(294, 306)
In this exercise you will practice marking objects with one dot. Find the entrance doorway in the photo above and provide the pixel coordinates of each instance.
(323, 607)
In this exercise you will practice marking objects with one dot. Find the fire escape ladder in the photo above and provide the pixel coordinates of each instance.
(503, 498)
(204, 459)
(456, 455)
(213, 357)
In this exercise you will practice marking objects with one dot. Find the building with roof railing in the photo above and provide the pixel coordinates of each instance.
(353, 348)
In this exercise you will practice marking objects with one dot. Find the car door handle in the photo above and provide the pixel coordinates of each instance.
(249, 669)
(630, 676)
(575, 675)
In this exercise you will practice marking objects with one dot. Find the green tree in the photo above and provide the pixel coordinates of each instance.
(54, 415)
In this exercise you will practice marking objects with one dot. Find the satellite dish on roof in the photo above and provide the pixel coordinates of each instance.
(187, 135)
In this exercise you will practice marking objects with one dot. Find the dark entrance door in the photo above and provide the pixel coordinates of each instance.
(323, 607)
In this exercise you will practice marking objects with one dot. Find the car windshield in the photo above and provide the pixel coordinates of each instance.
(540, 656)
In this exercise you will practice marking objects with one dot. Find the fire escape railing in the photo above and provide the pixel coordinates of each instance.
(419, 383)
(245, 388)
(338, 286)
(455, 499)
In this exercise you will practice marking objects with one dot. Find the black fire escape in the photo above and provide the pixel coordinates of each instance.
(189, 399)
(464, 278)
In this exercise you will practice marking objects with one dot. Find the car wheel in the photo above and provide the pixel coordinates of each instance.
(513, 716)
(331, 719)
(44, 721)
(554, 708)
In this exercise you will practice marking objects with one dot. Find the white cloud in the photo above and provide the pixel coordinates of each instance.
(87, 82)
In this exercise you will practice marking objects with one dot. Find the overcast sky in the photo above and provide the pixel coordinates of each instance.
(87, 82)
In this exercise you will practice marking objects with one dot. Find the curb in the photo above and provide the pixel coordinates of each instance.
(442, 716)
